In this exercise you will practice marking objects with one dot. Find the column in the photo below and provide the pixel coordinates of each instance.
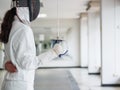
(110, 23)
(83, 40)
(94, 52)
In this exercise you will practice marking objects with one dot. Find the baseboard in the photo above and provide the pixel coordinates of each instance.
(110, 85)
(58, 67)
(94, 73)
(83, 67)
(1, 68)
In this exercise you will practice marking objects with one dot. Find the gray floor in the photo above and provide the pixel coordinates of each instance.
(55, 80)
(85, 81)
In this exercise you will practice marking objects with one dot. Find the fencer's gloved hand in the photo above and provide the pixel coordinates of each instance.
(60, 48)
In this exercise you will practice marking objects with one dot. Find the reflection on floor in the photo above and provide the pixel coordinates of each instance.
(85, 81)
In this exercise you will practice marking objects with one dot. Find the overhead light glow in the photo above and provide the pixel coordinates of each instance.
(42, 15)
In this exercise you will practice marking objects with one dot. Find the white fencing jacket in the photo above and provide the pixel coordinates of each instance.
(22, 52)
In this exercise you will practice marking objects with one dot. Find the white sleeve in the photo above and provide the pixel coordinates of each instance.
(47, 56)
(25, 53)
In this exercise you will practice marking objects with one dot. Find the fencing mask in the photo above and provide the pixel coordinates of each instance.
(27, 9)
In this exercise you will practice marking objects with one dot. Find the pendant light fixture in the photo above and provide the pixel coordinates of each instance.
(58, 21)
(115, 73)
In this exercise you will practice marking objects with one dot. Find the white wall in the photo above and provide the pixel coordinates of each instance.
(73, 40)
(1, 58)
(110, 17)
(94, 52)
(72, 37)
(1, 54)
(4, 6)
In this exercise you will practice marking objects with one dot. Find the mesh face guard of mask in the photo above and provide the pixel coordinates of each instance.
(33, 6)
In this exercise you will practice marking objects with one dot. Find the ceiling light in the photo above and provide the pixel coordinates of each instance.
(42, 15)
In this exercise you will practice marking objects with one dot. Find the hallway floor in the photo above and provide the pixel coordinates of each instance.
(85, 81)
(89, 82)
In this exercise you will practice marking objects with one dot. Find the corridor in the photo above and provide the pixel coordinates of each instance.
(84, 81)
(74, 43)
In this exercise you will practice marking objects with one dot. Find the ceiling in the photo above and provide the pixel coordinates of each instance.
(63, 9)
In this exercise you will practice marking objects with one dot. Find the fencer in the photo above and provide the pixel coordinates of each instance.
(18, 38)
